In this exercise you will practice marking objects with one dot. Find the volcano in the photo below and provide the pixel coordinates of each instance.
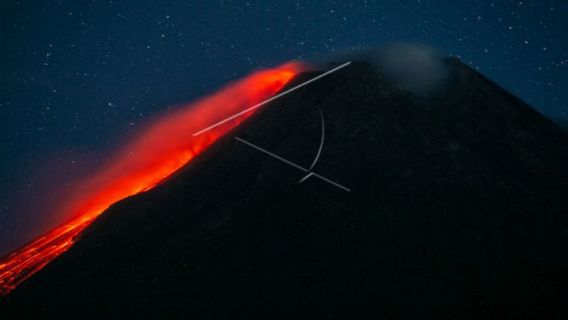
(347, 197)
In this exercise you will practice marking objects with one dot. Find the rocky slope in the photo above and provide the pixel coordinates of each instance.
(457, 209)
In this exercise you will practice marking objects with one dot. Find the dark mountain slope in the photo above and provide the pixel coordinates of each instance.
(457, 209)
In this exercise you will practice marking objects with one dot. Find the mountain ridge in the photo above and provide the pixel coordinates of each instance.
(444, 218)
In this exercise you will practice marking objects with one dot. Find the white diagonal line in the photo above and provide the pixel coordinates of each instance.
(258, 105)
(332, 182)
(293, 165)
(272, 154)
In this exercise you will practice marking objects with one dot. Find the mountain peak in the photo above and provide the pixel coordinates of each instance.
(414, 201)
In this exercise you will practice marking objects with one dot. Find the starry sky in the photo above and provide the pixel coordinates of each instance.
(78, 74)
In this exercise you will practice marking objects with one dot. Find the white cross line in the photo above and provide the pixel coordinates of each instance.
(294, 165)
(258, 105)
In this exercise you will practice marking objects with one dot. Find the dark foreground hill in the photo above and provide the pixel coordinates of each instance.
(457, 209)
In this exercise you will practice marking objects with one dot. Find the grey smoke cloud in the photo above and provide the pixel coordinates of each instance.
(411, 67)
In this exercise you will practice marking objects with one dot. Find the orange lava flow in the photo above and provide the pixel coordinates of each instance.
(162, 148)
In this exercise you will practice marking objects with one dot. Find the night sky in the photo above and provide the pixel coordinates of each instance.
(79, 76)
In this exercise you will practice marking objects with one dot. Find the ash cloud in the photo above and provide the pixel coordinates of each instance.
(417, 68)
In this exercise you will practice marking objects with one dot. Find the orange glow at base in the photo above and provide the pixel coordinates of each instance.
(161, 149)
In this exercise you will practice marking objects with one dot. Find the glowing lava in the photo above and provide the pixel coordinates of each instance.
(160, 150)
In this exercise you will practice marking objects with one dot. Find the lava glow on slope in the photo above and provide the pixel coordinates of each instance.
(157, 152)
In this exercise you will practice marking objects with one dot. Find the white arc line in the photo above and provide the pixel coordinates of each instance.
(306, 177)
(321, 141)
(293, 165)
(258, 105)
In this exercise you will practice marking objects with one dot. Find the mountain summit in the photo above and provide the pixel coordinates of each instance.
(349, 196)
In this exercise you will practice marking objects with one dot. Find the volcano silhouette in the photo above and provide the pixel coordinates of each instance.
(456, 208)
